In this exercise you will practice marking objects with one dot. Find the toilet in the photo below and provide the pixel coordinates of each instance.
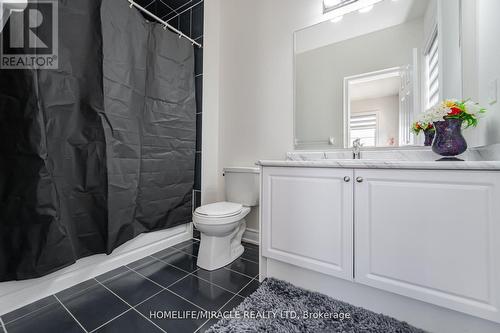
(222, 224)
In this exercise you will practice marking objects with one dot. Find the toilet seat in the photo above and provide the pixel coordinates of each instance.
(224, 217)
(219, 209)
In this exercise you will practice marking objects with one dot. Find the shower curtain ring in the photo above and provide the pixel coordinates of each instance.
(165, 27)
(180, 36)
(131, 5)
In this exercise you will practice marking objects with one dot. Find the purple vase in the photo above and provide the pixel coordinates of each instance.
(429, 136)
(449, 141)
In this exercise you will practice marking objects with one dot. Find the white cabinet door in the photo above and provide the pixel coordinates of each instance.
(307, 218)
(431, 235)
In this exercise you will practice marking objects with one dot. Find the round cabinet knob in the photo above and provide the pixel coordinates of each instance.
(359, 179)
(347, 179)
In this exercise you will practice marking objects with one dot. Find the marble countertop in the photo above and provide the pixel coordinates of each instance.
(385, 164)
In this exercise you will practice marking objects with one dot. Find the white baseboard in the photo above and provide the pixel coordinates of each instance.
(16, 294)
(251, 236)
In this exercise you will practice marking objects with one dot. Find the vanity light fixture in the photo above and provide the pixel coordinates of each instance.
(329, 5)
(342, 7)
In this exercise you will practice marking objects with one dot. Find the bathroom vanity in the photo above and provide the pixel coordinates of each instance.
(396, 231)
(426, 230)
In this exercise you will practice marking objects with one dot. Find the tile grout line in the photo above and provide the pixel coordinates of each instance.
(189, 274)
(159, 285)
(132, 308)
(163, 261)
(2, 324)
(116, 317)
(198, 241)
(212, 283)
(192, 273)
(248, 276)
(147, 299)
(235, 295)
(176, 294)
(72, 316)
(31, 312)
(232, 270)
(215, 284)
(168, 6)
(186, 9)
(78, 293)
(178, 14)
(166, 289)
(193, 240)
(238, 293)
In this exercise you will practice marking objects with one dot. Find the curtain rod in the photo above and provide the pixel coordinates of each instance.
(165, 24)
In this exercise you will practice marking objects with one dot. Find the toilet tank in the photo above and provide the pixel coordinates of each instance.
(242, 185)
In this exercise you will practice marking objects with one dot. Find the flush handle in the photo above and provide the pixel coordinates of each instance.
(359, 179)
(347, 179)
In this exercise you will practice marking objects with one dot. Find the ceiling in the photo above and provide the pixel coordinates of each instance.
(375, 88)
(384, 15)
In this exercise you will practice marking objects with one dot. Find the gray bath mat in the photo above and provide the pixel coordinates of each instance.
(280, 307)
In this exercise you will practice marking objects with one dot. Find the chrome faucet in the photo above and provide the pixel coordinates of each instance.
(356, 149)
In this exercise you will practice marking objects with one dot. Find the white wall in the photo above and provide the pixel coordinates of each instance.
(248, 90)
(450, 76)
(388, 116)
(211, 171)
(488, 61)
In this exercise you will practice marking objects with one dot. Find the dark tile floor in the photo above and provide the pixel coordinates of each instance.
(136, 297)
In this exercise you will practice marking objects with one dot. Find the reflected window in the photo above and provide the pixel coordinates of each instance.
(432, 70)
(364, 127)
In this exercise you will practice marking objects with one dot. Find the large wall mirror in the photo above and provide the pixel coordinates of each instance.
(364, 75)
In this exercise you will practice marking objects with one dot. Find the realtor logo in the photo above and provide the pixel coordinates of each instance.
(29, 39)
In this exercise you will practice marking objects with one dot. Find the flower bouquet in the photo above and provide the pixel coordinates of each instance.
(448, 119)
(422, 125)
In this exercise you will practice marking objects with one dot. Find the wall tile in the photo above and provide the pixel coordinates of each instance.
(199, 117)
(197, 177)
(197, 199)
(198, 56)
(199, 94)
(197, 21)
(176, 4)
(185, 23)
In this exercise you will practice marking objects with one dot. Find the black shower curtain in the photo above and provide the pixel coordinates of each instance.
(150, 124)
(98, 151)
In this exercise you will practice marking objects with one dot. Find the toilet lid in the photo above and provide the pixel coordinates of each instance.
(220, 209)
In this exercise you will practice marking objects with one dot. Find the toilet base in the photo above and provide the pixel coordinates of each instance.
(218, 251)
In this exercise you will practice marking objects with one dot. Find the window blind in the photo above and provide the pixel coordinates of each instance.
(364, 127)
(432, 65)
